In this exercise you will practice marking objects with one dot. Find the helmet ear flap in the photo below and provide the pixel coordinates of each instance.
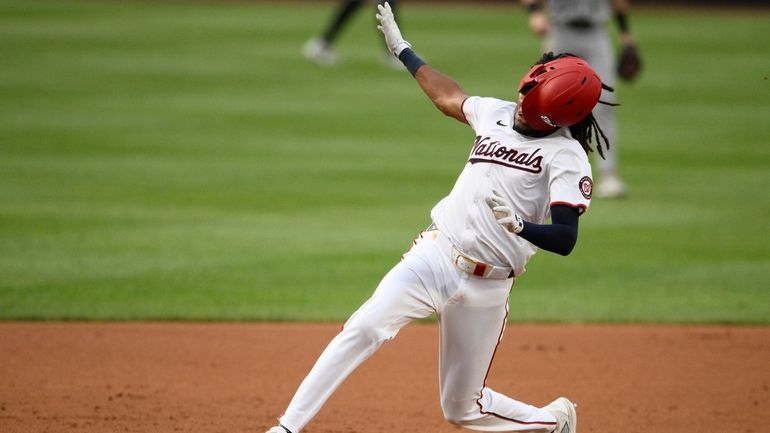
(533, 112)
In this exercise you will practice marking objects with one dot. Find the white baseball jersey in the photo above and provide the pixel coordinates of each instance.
(532, 173)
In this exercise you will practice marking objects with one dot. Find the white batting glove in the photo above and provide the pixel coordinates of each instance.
(504, 214)
(389, 28)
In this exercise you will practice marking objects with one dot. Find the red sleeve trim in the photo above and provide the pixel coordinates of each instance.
(462, 110)
(581, 207)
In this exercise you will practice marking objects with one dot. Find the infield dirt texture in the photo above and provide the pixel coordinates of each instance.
(148, 378)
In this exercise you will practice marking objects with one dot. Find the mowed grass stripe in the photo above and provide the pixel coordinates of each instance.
(172, 161)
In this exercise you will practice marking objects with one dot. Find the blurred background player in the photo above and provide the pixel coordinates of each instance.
(581, 27)
(320, 48)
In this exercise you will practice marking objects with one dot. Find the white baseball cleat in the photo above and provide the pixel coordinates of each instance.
(278, 429)
(610, 186)
(319, 51)
(564, 412)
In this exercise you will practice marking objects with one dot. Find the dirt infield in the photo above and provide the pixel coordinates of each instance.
(138, 377)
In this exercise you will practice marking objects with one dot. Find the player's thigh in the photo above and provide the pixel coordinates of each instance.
(400, 298)
(470, 329)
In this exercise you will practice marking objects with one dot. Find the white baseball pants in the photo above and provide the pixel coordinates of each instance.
(471, 313)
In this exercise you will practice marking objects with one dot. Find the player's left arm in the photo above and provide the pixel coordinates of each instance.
(445, 93)
(629, 62)
(620, 10)
(558, 237)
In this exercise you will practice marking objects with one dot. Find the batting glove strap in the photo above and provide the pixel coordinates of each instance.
(504, 214)
(513, 223)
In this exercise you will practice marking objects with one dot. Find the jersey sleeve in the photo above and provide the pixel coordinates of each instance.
(471, 110)
(476, 107)
(570, 181)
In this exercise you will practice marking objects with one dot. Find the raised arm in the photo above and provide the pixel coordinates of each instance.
(442, 90)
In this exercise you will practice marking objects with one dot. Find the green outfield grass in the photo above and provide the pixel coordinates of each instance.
(183, 161)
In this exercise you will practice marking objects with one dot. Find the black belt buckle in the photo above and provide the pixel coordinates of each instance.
(580, 23)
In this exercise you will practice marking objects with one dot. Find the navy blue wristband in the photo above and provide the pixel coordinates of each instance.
(411, 60)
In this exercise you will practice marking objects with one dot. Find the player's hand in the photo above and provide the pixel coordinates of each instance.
(389, 28)
(504, 214)
(539, 23)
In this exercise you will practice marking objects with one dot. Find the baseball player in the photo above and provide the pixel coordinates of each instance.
(319, 49)
(528, 162)
(580, 27)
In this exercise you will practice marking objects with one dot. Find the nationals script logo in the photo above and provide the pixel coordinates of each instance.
(485, 150)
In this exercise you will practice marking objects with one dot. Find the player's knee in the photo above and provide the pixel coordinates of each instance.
(453, 420)
(366, 332)
(456, 420)
(458, 413)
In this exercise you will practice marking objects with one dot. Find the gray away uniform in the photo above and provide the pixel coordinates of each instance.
(580, 27)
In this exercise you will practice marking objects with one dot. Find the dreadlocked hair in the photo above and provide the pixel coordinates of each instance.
(587, 129)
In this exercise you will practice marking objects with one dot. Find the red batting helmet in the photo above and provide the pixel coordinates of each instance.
(561, 92)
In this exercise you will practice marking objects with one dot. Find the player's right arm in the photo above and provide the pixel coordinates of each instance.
(445, 93)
